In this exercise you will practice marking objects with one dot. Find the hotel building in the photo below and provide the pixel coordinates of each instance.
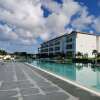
(71, 44)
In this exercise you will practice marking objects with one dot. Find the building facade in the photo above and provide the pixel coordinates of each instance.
(70, 45)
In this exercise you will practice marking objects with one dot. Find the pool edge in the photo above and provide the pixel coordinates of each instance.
(67, 80)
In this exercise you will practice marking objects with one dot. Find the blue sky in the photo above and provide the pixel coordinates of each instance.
(93, 6)
(24, 28)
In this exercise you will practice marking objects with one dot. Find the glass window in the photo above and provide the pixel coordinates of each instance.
(69, 40)
(57, 48)
(69, 46)
(50, 49)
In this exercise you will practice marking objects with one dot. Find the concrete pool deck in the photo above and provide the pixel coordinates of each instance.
(19, 81)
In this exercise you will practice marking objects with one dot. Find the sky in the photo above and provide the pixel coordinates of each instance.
(25, 24)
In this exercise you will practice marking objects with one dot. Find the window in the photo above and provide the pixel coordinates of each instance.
(44, 45)
(69, 40)
(50, 49)
(69, 46)
(44, 50)
(57, 43)
(51, 44)
(69, 53)
(57, 48)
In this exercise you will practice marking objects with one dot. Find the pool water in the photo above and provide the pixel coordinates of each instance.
(83, 74)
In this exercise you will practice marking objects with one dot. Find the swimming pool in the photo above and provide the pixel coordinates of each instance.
(83, 74)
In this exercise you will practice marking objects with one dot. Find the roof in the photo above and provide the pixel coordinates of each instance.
(87, 33)
(73, 32)
(57, 37)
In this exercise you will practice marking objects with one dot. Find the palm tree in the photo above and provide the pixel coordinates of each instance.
(79, 54)
(85, 55)
(95, 53)
(98, 55)
(2, 52)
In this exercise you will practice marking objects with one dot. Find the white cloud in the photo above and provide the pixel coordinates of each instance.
(27, 18)
(61, 16)
(70, 7)
(83, 20)
(69, 30)
(18, 36)
(45, 36)
(22, 13)
(55, 23)
(96, 24)
(52, 6)
(6, 33)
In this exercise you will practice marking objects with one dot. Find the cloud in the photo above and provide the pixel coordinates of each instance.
(17, 40)
(96, 24)
(6, 33)
(51, 6)
(29, 16)
(83, 20)
(61, 16)
(56, 22)
(70, 7)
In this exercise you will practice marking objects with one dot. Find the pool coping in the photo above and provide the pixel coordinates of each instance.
(66, 80)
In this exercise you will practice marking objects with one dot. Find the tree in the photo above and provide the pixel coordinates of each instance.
(3, 52)
(20, 53)
(95, 53)
(69, 54)
(79, 54)
(98, 55)
(85, 55)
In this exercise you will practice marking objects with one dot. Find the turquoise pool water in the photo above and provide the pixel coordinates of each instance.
(83, 74)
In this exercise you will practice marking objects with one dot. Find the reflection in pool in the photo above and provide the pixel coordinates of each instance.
(83, 74)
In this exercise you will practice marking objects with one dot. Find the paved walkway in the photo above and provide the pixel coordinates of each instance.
(19, 82)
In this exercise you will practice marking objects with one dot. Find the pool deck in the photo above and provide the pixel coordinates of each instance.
(19, 81)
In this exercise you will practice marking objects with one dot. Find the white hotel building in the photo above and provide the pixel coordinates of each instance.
(71, 44)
